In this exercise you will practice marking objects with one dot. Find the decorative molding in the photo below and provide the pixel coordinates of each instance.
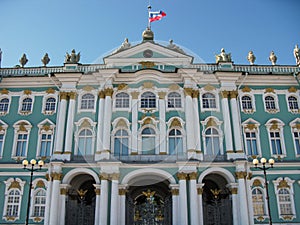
(241, 175)
(57, 176)
(148, 85)
(122, 191)
(101, 94)
(188, 91)
(246, 89)
(175, 191)
(4, 91)
(269, 90)
(292, 90)
(181, 176)
(50, 91)
(233, 94)
(161, 95)
(209, 87)
(72, 95)
(63, 95)
(135, 95)
(224, 94)
(27, 92)
(88, 88)
(193, 175)
(175, 123)
(108, 92)
(122, 87)
(174, 87)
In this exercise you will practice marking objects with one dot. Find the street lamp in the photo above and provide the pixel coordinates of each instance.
(32, 169)
(263, 161)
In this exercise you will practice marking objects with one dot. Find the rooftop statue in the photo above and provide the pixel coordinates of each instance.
(23, 60)
(45, 60)
(273, 58)
(251, 57)
(223, 57)
(297, 55)
(175, 47)
(73, 58)
(125, 45)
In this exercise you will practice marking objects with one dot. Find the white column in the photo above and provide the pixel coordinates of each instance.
(236, 122)
(196, 120)
(114, 206)
(200, 203)
(100, 122)
(62, 203)
(70, 123)
(226, 119)
(175, 205)
(183, 216)
(235, 204)
(60, 128)
(250, 205)
(48, 199)
(134, 124)
(162, 123)
(243, 203)
(104, 199)
(97, 207)
(193, 199)
(107, 119)
(122, 203)
(189, 118)
(54, 212)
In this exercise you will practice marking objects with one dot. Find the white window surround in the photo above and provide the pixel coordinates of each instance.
(294, 111)
(275, 97)
(20, 127)
(212, 122)
(118, 124)
(148, 109)
(295, 128)
(84, 123)
(276, 125)
(2, 113)
(37, 185)
(45, 98)
(81, 93)
(217, 99)
(175, 108)
(25, 112)
(121, 108)
(148, 122)
(259, 182)
(13, 184)
(3, 129)
(252, 97)
(179, 127)
(285, 183)
(251, 125)
(45, 127)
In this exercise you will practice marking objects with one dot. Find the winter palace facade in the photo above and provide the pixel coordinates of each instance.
(150, 137)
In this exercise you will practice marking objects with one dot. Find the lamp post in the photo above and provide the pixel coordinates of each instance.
(264, 168)
(32, 169)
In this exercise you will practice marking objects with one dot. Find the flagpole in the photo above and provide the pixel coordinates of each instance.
(149, 9)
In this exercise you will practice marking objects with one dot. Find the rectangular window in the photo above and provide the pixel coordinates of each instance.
(276, 143)
(251, 143)
(297, 141)
(21, 144)
(1, 143)
(46, 143)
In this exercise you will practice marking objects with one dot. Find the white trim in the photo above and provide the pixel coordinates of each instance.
(217, 170)
(41, 132)
(217, 100)
(3, 96)
(293, 111)
(81, 93)
(271, 111)
(252, 97)
(45, 98)
(74, 172)
(114, 98)
(16, 126)
(21, 99)
(257, 132)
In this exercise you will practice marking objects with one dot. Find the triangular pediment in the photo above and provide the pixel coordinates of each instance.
(148, 52)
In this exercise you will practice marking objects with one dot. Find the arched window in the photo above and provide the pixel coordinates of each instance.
(258, 202)
(293, 103)
(246, 103)
(4, 102)
(209, 101)
(121, 143)
(122, 100)
(50, 104)
(212, 141)
(175, 142)
(148, 100)
(174, 100)
(87, 101)
(270, 103)
(285, 202)
(26, 105)
(148, 141)
(85, 139)
(39, 203)
(13, 203)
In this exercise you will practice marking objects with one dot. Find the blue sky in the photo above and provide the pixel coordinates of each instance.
(95, 27)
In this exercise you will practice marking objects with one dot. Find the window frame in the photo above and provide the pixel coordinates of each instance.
(3, 132)
(296, 140)
(252, 99)
(266, 103)
(275, 125)
(149, 101)
(214, 92)
(175, 98)
(251, 125)
(297, 101)
(176, 136)
(46, 127)
(45, 100)
(81, 95)
(21, 128)
(116, 99)
(258, 182)
(3, 112)
(21, 104)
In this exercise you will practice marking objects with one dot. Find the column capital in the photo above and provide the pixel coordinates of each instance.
(193, 175)
(114, 176)
(233, 94)
(64, 191)
(104, 176)
(56, 176)
(97, 191)
(101, 94)
(175, 191)
(72, 95)
(135, 94)
(63, 95)
(108, 92)
(195, 93)
(224, 94)
(122, 191)
(234, 190)
(48, 177)
(181, 176)
(162, 95)
(188, 91)
(241, 174)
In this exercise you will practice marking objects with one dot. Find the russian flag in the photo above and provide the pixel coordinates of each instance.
(154, 16)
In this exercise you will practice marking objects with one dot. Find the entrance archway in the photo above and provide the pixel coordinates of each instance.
(80, 201)
(217, 203)
(149, 203)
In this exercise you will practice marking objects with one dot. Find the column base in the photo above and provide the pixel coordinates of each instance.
(195, 154)
(102, 155)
